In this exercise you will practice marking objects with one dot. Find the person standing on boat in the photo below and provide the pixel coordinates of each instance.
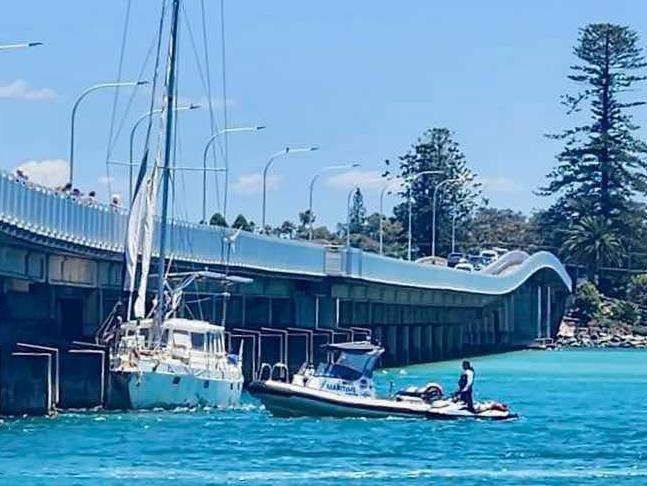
(465, 384)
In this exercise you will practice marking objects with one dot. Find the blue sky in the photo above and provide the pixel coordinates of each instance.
(360, 79)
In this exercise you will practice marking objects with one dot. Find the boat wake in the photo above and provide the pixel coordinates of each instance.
(286, 477)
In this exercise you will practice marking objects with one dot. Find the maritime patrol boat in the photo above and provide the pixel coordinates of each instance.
(344, 387)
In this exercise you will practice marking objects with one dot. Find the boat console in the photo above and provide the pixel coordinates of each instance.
(348, 369)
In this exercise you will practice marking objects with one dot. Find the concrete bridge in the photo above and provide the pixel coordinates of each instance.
(60, 268)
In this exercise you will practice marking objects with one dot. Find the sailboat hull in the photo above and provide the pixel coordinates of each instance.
(149, 389)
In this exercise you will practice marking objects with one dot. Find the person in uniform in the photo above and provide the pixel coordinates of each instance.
(465, 384)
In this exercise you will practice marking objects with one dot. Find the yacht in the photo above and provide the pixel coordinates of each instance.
(189, 365)
(190, 368)
(160, 359)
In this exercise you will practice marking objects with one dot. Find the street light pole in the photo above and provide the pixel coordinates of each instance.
(350, 195)
(24, 45)
(433, 212)
(388, 184)
(210, 141)
(312, 185)
(76, 106)
(453, 231)
(138, 122)
(410, 181)
(273, 157)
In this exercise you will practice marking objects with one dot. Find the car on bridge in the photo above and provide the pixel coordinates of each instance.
(454, 258)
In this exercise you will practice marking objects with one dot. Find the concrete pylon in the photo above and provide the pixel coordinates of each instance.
(391, 345)
(404, 356)
(415, 344)
(427, 343)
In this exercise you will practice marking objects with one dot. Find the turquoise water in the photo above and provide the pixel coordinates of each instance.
(584, 422)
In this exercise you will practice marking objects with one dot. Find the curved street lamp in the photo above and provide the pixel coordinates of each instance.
(348, 203)
(273, 157)
(433, 210)
(388, 184)
(312, 185)
(24, 45)
(410, 180)
(145, 116)
(210, 141)
(76, 106)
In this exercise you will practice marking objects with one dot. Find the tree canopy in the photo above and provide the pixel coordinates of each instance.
(437, 151)
(601, 168)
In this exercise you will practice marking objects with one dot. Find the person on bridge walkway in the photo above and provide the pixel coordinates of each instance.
(465, 384)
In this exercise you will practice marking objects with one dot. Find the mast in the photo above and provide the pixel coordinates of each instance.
(170, 92)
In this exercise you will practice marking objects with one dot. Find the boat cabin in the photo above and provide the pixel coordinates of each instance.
(350, 361)
(181, 336)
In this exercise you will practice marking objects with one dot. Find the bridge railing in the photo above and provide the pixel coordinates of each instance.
(63, 216)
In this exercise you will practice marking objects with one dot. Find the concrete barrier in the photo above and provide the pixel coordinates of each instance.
(26, 382)
(83, 378)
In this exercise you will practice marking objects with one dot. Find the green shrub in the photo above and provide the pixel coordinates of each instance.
(625, 312)
(637, 290)
(588, 302)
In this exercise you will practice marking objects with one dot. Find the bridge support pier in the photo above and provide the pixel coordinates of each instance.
(415, 334)
(391, 346)
(404, 341)
(438, 334)
(427, 343)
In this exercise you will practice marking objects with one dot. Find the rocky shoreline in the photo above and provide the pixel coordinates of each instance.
(574, 336)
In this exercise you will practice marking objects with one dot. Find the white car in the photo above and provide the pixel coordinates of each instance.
(489, 256)
(465, 266)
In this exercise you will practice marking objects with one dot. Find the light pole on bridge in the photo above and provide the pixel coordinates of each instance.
(312, 185)
(409, 181)
(75, 107)
(273, 157)
(138, 122)
(210, 141)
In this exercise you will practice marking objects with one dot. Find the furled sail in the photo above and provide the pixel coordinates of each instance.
(134, 233)
(147, 228)
(139, 238)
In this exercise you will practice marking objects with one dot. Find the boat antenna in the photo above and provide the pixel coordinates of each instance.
(168, 139)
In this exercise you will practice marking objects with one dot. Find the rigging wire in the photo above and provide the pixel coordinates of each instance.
(131, 98)
(212, 123)
(149, 125)
(179, 177)
(224, 99)
(205, 86)
(115, 101)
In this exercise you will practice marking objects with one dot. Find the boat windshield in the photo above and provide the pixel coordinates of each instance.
(351, 366)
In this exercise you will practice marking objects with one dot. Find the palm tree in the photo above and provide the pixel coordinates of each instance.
(593, 242)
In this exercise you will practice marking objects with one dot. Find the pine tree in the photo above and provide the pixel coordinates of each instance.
(601, 167)
(357, 212)
(435, 150)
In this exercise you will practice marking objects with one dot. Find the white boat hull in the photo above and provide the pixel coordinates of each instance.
(162, 390)
(171, 386)
(288, 400)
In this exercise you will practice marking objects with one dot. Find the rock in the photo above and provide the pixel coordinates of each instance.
(566, 330)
